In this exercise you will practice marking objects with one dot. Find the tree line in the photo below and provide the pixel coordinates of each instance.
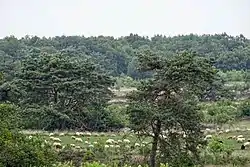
(117, 55)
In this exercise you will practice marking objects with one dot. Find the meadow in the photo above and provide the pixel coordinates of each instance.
(93, 141)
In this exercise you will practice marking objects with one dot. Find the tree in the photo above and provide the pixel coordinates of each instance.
(165, 107)
(64, 87)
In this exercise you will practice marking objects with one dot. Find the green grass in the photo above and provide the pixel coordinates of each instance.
(68, 140)
(102, 137)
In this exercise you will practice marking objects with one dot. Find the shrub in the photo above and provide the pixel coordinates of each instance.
(76, 157)
(245, 108)
(218, 152)
(8, 116)
(99, 119)
(221, 113)
(216, 145)
(18, 150)
(117, 117)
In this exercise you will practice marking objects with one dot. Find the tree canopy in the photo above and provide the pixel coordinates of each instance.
(165, 107)
(66, 88)
(117, 55)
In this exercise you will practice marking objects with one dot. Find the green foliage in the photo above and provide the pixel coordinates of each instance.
(60, 90)
(220, 113)
(166, 105)
(117, 116)
(59, 74)
(134, 72)
(116, 56)
(245, 108)
(104, 119)
(9, 117)
(126, 81)
(64, 83)
(216, 147)
(18, 150)
(94, 164)
(236, 83)
(219, 152)
(182, 159)
(233, 75)
(44, 117)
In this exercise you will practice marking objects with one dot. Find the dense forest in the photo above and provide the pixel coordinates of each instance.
(116, 56)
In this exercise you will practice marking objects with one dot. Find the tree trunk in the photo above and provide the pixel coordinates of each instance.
(156, 132)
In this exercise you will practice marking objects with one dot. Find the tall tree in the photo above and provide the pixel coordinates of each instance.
(165, 107)
(66, 87)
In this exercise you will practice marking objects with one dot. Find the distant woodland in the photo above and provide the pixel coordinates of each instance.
(117, 56)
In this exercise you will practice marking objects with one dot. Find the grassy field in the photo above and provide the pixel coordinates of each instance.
(244, 129)
(241, 128)
(99, 138)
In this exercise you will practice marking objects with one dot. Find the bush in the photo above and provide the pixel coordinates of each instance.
(245, 108)
(94, 118)
(218, 152)
(18, 150)
(217, 146)
(220, 113)
(8, 116)
(99, 119)
(117, 117)
(76, 157)
(45, 117)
